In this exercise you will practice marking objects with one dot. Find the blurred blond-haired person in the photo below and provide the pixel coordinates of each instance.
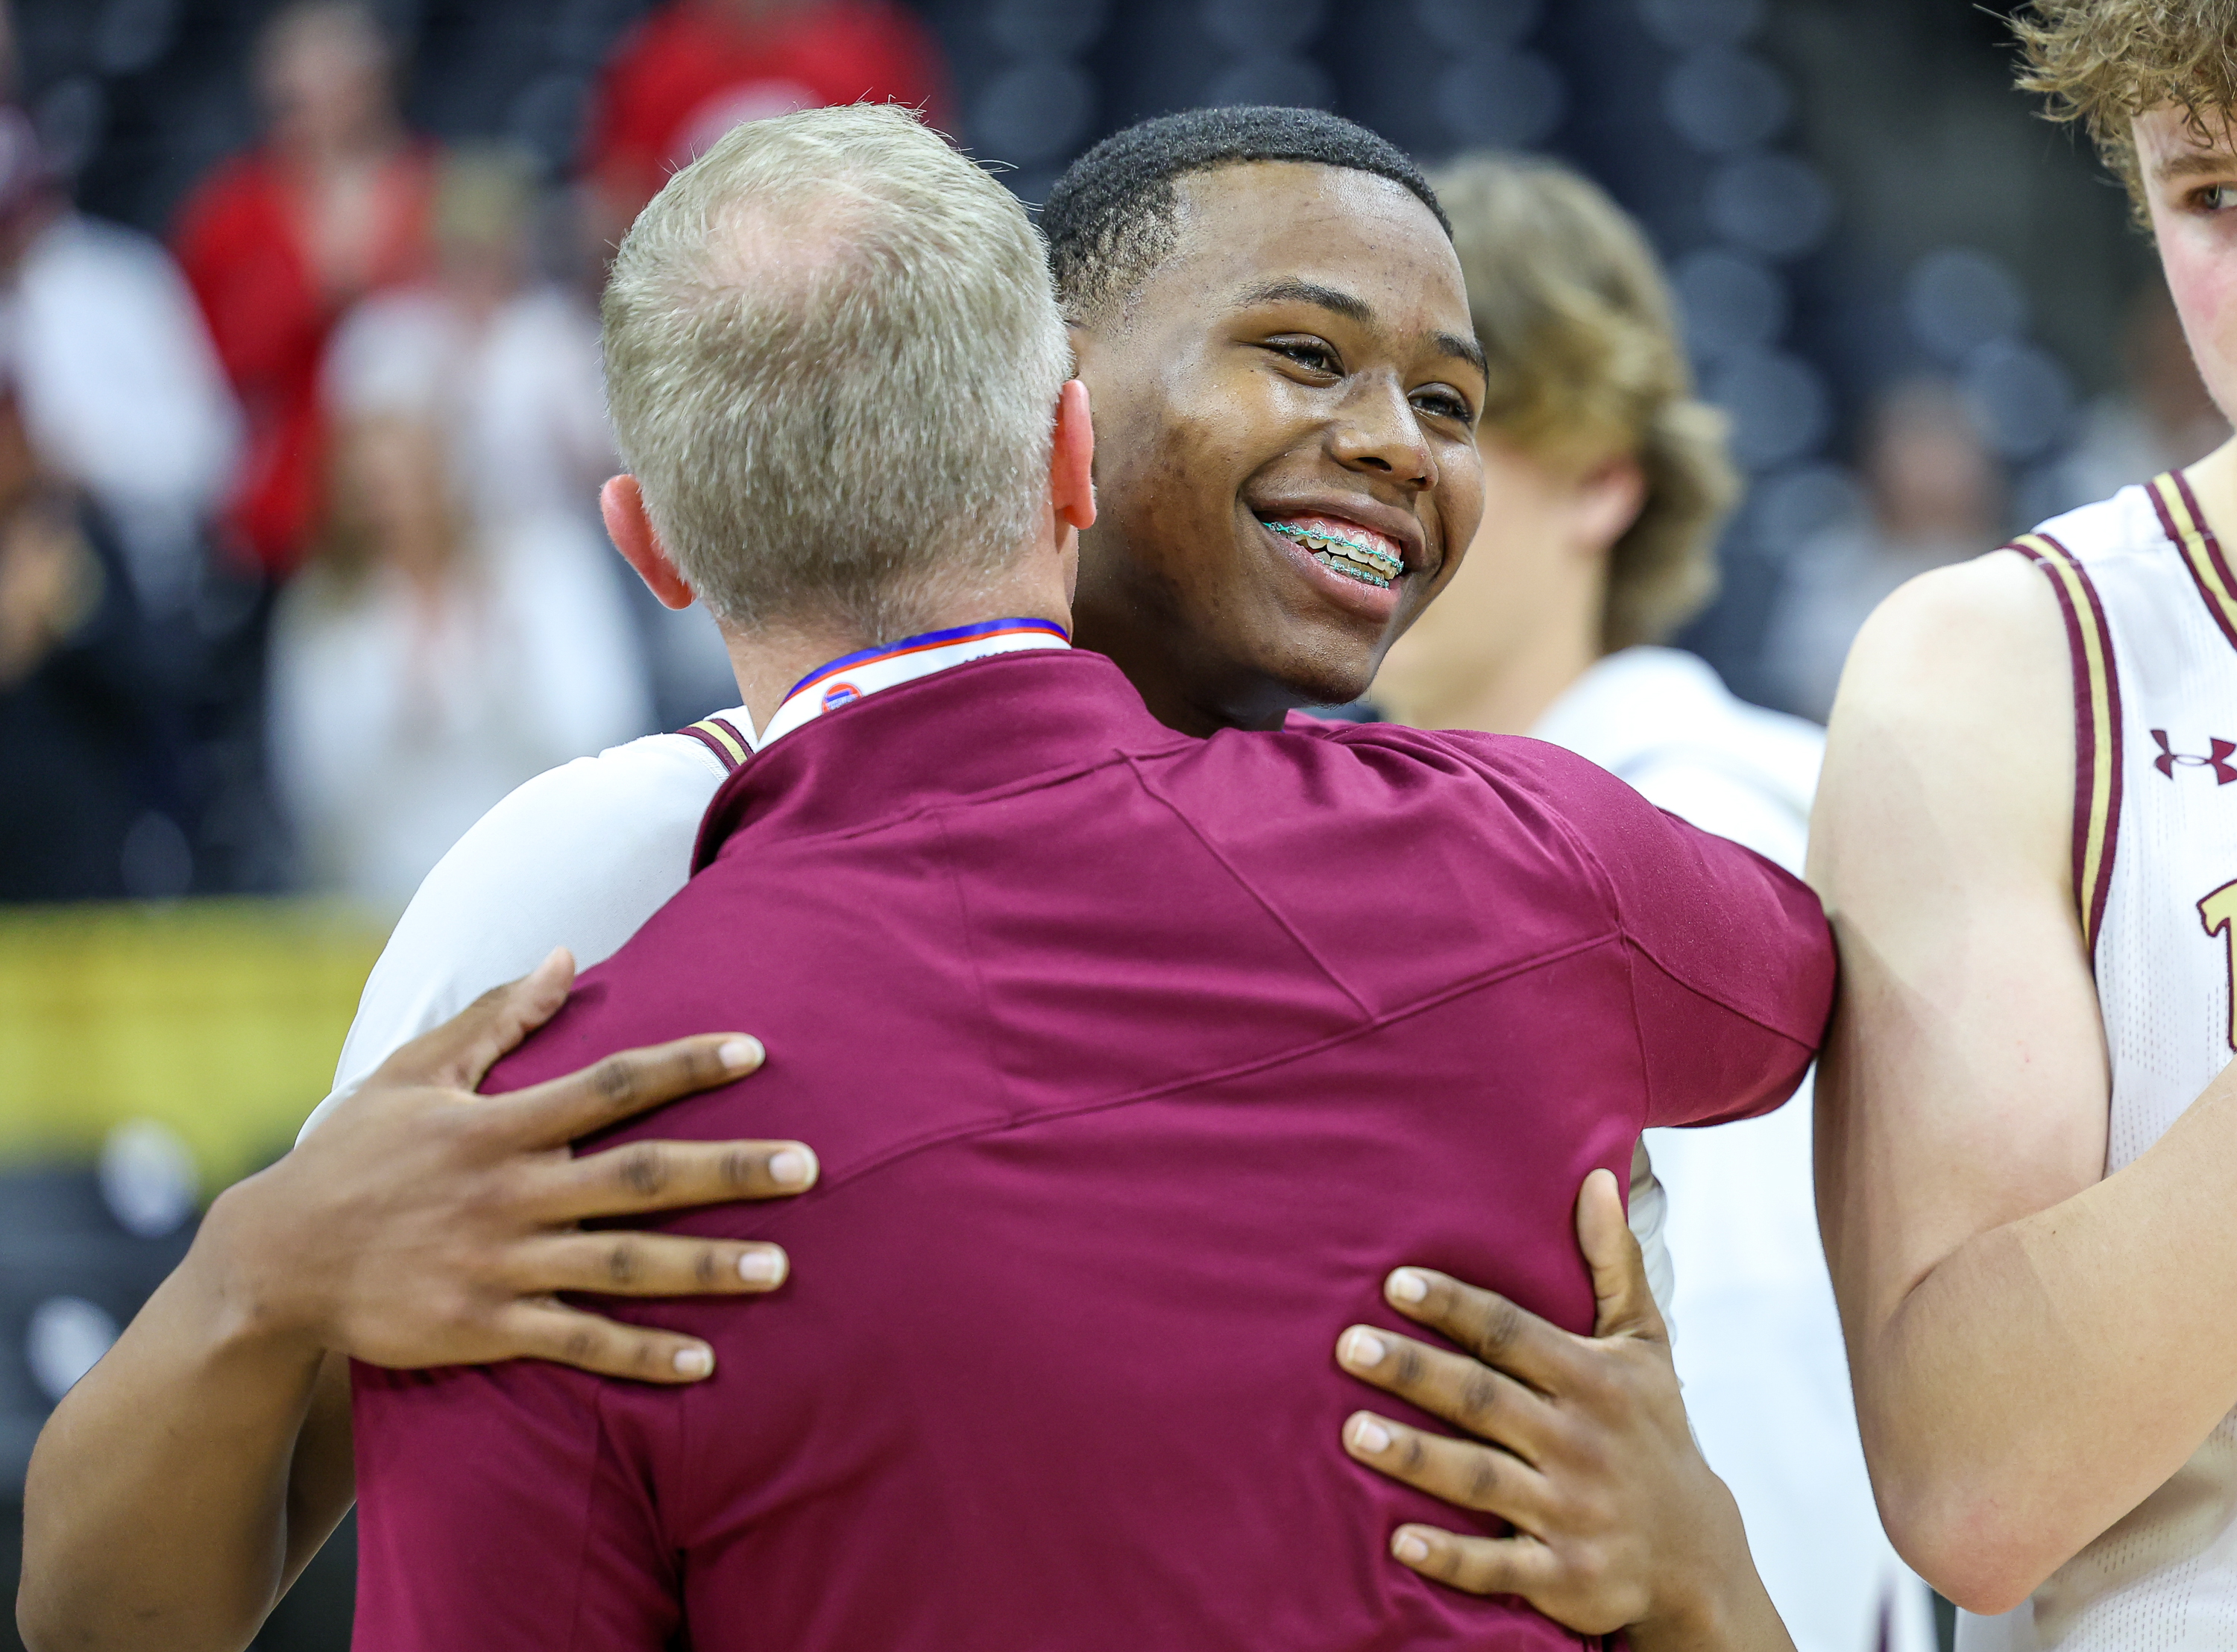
(426, 663)
(1605, 483)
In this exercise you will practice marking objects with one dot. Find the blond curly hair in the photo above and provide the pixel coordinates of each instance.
(1576, 320)
(2102, 62)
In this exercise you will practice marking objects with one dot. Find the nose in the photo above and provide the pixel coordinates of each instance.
(1376, 431)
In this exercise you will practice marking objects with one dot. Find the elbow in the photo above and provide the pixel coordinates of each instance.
(1969, 1548)
(42, 1623)
(37, 1632)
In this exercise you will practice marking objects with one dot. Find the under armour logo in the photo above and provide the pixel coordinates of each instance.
(2223, 750)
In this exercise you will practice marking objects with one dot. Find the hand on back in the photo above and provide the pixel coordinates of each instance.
(1579, 1443)
(423, 1225)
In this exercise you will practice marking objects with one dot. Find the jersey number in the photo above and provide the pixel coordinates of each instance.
(2218, 912)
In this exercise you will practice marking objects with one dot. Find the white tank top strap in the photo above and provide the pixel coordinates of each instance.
(2097, 773)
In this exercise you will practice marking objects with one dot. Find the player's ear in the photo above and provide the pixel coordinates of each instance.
(621, 502)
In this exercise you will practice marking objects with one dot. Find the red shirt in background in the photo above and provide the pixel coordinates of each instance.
(695, 69)
(1133, 1061)
(242, 242)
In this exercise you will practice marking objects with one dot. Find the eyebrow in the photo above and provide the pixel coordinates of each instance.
(1467, 349)
(2196, 163)
(1352, 308)
(1296, 292)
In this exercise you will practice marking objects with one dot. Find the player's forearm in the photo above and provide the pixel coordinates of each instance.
(2050, 1373)
(157, 1510)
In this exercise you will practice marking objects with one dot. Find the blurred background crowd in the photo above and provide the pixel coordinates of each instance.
(300, 412)
(301, 427)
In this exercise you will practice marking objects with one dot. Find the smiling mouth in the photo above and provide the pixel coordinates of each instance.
(1344, 548)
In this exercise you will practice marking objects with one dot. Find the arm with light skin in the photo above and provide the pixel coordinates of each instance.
(179, 1488)
(2000, 1295)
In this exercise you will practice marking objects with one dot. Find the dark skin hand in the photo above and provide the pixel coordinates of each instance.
(419, 1225)
(1579, 1443)
(1305, 349)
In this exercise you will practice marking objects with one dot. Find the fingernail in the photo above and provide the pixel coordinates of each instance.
(1408, 1547)
(742, 1055)
(792, 1167)
(694, 1362)
(1367, 1435)
(1406, 1285)
(1362, 1348)
(761, 1267)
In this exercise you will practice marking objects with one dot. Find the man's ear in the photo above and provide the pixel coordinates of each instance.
(621, 502)
(1071, 459)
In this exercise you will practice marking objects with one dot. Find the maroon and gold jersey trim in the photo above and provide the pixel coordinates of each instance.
(716, 734)
(2096, 727)
(2201, 552)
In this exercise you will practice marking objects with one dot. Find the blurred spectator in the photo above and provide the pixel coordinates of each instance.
(1935, 495)
(91, 809)
(116, 384)
(428, 662)
(508, 362)
(278, 242)
(2161, 419)
(695, 69)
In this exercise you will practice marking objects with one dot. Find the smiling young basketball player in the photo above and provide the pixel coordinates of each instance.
(2028, 1126)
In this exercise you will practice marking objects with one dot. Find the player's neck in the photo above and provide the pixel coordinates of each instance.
(1518, 687)
(2213, 479)
(1512, 702)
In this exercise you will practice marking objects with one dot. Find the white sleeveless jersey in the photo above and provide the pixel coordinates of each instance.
(2150, 603)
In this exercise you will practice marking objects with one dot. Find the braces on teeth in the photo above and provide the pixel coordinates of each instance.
(1369, 565)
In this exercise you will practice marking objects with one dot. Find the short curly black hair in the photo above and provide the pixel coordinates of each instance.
(1113, 216)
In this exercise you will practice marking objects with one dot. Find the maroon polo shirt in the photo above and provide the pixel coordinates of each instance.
(1134, 1060)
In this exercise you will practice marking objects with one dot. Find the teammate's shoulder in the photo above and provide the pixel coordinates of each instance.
(1996, 601)
(1959, 696)
(2134, 519)
(657, 774)
(682, 751)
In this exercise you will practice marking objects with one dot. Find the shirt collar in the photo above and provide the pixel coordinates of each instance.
(855, 677)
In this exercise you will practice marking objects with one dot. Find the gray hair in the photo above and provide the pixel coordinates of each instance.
(833, 356)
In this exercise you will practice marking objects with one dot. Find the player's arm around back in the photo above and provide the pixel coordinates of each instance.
(182, 1485)
(2027, 1349)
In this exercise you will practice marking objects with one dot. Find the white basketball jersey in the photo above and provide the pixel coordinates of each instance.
(2150, 603)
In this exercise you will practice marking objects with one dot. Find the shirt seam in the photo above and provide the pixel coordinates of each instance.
(683, 1514)
(989, 1054)
(1637, 948)
(580, 1573)
(1632, 940)
(947, 1135)
(931, 808)
(1281, 921)
(1620, 929)
(1346, 733)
